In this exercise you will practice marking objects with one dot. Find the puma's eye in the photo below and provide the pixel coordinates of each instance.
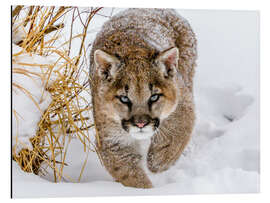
(154, 98)
(124, 99)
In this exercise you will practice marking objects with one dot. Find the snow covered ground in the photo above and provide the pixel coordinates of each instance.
(223, 155)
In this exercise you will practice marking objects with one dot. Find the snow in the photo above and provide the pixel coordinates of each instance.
(18, 32)
(27, 110)
(223, 155)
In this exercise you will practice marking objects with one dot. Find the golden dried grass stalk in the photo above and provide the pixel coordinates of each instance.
(68, 114)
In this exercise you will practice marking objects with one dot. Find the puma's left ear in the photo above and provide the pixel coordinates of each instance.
(106, 64)
(168, 62)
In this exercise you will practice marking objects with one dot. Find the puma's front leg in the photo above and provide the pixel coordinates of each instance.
(123, 163)
(171, 139)
(162, 156)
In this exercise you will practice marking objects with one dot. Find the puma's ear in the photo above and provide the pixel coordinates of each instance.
(168, 62)
(105, 64)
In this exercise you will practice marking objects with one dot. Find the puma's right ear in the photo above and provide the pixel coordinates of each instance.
(168, 61)
(105, 64)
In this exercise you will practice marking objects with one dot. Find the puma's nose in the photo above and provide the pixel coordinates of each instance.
(140, 125)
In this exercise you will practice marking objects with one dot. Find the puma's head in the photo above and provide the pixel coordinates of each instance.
(138, 94)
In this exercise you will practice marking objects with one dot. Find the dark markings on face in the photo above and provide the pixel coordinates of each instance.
(126, 89)
(124, 124)
(129, 104)
(151, 87)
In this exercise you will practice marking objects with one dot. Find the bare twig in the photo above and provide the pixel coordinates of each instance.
(16, 11)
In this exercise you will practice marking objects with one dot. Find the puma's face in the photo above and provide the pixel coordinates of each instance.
(140, 96)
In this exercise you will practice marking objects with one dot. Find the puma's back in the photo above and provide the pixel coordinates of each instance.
(142, 66)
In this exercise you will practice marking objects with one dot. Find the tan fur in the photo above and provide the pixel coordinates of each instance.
(135, 52)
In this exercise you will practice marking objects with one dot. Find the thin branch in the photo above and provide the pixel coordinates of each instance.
(16, 11)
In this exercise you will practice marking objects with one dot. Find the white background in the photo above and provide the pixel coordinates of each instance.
(190, 4)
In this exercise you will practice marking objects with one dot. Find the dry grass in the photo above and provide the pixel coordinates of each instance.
(69, 113)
